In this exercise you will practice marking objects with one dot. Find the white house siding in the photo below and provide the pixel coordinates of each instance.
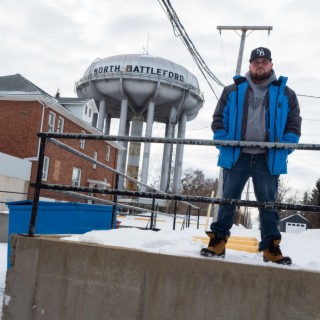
(14, 177)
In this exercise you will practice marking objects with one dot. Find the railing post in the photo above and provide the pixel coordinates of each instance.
(198, 218)
(36, 196)
(114, 207)
(152, 213)
(174, 215)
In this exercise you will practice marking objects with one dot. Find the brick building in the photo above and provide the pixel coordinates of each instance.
(26, 110)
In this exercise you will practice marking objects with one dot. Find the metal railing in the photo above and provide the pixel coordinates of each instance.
(156, 194)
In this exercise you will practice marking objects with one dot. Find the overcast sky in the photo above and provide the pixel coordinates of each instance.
(52, 42)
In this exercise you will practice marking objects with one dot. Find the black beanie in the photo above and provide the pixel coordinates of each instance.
(260, 53)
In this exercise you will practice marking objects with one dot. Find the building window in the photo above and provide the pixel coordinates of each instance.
(90, 113)
(76, 177)
(45, 168)
(60, 125)
(86, 110)
(108, 153)
(82, 141)
(52, 118)
(95, 157)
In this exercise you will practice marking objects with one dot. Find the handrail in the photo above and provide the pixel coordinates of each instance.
(44, 136)
(200, 142)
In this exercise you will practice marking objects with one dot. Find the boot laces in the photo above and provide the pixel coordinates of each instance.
(215, 242)
(275, 250)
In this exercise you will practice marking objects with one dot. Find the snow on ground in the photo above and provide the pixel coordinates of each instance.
(303, 248)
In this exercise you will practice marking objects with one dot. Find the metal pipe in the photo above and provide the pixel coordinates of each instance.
(37, 187)
(85, 197)
(197, 142)
(233, 202)
(84, 156)
(152, 213)
(175, 215)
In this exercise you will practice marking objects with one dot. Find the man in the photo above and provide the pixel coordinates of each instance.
(257, 107)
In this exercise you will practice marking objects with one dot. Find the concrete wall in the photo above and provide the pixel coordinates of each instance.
(55, 279)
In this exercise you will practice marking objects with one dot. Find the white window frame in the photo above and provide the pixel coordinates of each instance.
(60, 126)
(45, 169)
(51, 121)
(95, 157)
(108, 152)
(82, 141)
(76, 180)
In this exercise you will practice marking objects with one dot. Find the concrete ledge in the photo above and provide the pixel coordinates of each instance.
(56, 279)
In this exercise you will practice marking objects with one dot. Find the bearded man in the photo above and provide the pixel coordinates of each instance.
(258, 107)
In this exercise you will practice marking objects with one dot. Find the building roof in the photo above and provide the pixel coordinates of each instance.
(294, 215)
(16, 87)
(65, 100)
(17, 84)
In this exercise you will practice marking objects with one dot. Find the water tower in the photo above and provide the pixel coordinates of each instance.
(138, 88)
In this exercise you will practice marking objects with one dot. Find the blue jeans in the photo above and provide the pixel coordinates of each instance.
(265, 189)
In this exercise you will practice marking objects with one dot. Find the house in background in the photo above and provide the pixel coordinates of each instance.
(14, 183)
(26, 110)
(295, 223)
(84, 109)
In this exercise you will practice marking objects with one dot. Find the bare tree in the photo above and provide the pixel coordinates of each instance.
(287, 195)
(312, 197)
(195, 183)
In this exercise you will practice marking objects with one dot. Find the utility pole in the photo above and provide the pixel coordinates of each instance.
(244, 30)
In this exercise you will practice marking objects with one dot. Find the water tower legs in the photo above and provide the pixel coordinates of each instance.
(134, 151)
(102, 114)
(107, 124)
(176, 188)
(121, 132)
(167, 149)
(147, 146)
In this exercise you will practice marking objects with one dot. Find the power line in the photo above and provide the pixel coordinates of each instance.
(307, 96)
(180, 31)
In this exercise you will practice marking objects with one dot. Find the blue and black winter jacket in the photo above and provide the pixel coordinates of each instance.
(283, 121)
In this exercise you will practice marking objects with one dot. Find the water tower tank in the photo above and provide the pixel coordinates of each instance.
(141, 88)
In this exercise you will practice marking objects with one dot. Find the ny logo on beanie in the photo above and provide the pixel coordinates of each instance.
(260, 53)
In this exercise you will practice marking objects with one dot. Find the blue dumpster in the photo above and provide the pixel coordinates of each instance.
(58, 218)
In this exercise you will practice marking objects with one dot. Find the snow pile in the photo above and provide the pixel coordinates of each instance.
(303, 247)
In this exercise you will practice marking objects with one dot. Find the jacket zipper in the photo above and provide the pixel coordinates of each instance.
(235, 135)
(276, 139)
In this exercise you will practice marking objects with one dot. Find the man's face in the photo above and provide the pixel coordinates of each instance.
(260, 69)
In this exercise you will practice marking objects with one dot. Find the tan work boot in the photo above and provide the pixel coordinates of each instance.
(274, 254)
(216, 247)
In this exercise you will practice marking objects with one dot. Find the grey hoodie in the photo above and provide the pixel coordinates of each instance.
(256, 123)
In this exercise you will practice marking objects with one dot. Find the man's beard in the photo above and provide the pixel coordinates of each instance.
(260, 76)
